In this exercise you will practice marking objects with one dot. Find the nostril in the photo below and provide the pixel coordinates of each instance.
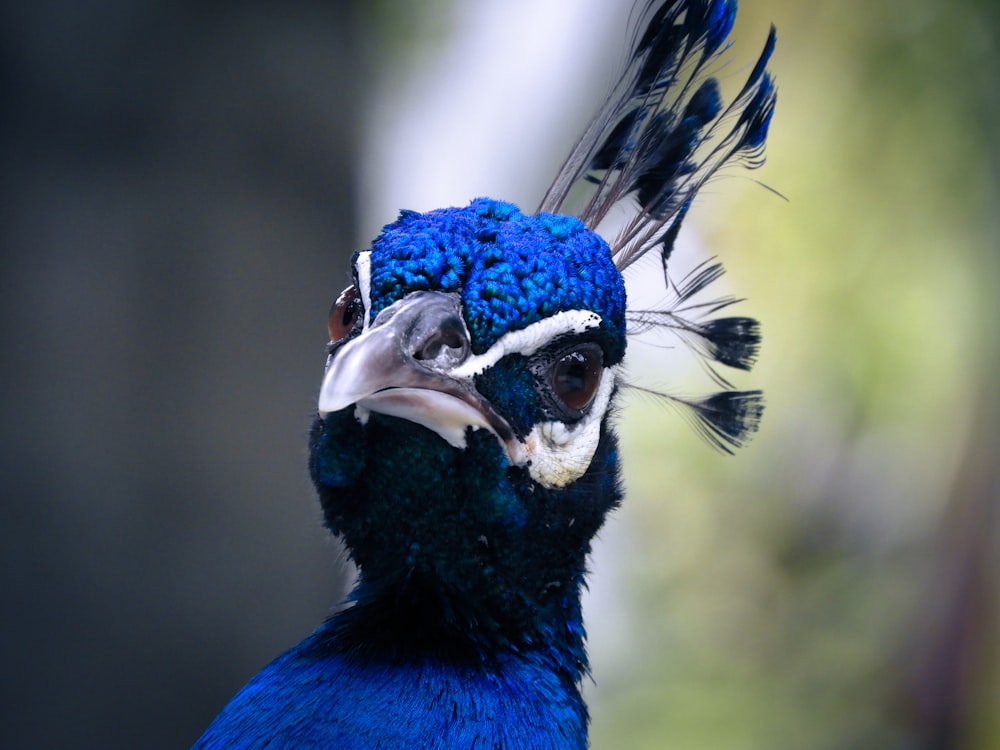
(428, 328)
(446, 342)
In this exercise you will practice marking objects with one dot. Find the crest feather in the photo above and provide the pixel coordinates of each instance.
(661, 133)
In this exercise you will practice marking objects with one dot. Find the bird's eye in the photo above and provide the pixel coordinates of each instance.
(575, 375)
(345, 314)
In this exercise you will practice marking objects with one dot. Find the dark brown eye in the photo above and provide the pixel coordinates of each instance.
(344, 314)
(575, 375)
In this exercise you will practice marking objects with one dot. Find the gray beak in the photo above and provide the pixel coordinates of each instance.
(403, 365)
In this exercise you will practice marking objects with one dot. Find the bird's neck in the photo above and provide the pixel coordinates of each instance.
(417, 621)
(462, 556)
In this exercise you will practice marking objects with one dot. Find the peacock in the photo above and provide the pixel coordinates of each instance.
(463, 446)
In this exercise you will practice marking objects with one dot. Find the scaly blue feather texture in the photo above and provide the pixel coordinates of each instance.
(463, 447)
(511, 270)
(318, 697)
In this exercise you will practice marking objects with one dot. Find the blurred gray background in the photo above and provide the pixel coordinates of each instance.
(178, 207)
(182, 185)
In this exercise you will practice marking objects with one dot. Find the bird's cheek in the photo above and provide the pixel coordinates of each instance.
(559, 453)
(557, 461)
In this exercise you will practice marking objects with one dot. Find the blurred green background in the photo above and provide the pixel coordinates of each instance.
(835, 585)
(182, 186)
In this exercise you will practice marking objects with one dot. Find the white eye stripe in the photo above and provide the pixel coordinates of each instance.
(528, 340)
(363, 268)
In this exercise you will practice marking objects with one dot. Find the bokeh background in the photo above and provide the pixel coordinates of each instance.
(182, 184)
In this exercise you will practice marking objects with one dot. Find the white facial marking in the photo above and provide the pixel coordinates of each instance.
(561, 453)
(528, 340)
(363, 267)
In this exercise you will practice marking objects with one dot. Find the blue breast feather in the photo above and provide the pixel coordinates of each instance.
(325, 698)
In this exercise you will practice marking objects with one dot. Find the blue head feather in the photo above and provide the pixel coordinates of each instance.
(510, 269)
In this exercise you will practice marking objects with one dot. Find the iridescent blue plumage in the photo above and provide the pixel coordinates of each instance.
(511, 270)
(317, 696)
(462, 447)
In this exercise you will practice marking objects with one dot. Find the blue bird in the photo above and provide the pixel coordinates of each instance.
(463, 449)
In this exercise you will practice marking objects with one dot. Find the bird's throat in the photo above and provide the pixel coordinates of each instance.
(460, 553)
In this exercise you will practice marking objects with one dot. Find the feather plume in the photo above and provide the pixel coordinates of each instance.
(661, 133)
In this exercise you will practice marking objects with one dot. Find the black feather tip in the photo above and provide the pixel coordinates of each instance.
(726, 419)
(733, 342)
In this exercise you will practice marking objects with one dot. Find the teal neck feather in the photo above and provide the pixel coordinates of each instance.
(461, 556)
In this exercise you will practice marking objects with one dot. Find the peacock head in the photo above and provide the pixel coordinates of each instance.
(462, 444)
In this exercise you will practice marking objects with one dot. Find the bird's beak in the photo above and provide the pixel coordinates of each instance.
(403, 365)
